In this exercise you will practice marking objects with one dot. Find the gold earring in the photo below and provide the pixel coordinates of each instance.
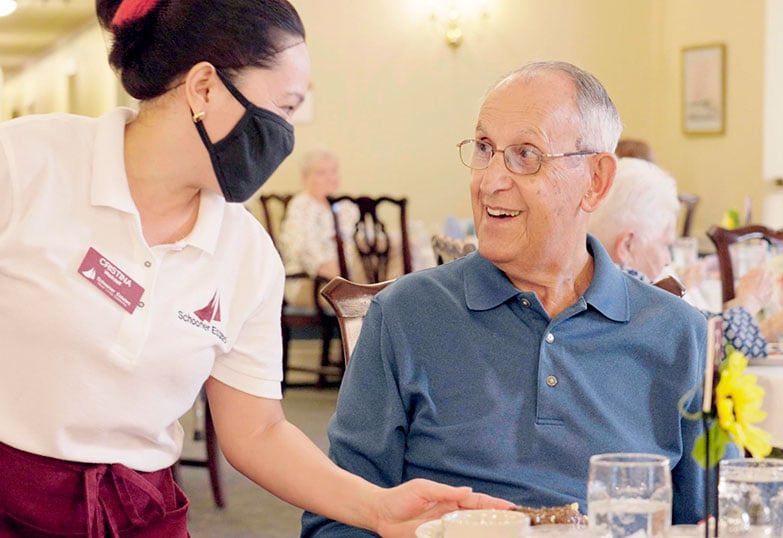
(198, 116)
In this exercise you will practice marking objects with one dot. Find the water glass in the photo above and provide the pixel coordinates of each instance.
(685, 252)
(630, 495)
(485, 524)
(750, 498)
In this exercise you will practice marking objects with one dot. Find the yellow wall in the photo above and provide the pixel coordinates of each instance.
(393, 99)
(73, 78)
(721, 169)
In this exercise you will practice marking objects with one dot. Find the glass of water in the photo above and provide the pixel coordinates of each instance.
(750, 497)
(630, 494)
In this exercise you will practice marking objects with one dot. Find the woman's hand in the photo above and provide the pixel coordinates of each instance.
(405, 507)
(771, 327)
(754, 290)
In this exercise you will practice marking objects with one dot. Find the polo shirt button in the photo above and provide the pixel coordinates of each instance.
(551, 380)
(148, 264)
(550, 338)
(141, 304)
(525, 302)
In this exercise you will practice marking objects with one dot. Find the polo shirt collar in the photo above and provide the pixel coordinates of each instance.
(109, 185)
(608, 291)
(487, 287)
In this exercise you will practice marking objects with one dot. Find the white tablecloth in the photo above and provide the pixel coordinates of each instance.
(770, 378)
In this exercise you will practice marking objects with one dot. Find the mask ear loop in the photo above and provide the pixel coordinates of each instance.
(233, 89)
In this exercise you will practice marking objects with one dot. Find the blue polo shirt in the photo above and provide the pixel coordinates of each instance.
(461, 378)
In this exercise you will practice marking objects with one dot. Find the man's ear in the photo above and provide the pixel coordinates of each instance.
(603, 169)
(199, 82)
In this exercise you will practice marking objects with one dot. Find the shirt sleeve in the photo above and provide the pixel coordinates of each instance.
(368, 431)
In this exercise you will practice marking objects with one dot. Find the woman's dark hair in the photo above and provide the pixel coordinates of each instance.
(170, 36)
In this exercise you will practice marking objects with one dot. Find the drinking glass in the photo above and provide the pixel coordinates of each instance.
(685, 252)
(750, 497)
(630, 494)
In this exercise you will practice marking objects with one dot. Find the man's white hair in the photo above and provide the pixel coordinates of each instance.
(600, 122)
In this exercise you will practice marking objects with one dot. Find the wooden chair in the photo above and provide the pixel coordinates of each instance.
(212, 461)
(350, 301)
(672, 285)
(689, 202)
(448, 249)
(296, 317)
(371, 235)
(723, 238)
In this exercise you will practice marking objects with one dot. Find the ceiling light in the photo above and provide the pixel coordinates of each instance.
(7, 7)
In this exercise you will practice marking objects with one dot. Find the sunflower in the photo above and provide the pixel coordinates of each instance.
(738, 402)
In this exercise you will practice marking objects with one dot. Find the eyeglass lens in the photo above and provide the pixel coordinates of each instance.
(521, 158)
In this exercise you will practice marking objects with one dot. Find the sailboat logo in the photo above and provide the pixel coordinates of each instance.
(89, 273)
(211, 312)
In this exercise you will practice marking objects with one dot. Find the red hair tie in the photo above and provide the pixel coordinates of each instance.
(131, 10)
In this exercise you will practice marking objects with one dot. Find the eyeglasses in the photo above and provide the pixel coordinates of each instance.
(521, 159)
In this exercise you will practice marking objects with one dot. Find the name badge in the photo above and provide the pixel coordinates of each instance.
(111, 280)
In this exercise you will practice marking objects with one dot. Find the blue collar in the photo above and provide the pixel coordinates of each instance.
(487, 287)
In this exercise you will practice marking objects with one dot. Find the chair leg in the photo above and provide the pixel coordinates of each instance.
(327, 332)
(213, 457)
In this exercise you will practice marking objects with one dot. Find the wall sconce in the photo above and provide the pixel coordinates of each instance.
(449, 15)
(7, 7)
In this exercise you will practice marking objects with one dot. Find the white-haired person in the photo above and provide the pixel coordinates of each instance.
(637, 226)
(307, 234)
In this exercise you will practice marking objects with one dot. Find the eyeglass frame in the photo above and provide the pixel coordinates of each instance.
(541, 155)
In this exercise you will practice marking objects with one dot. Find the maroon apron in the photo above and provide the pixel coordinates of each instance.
(47, 497)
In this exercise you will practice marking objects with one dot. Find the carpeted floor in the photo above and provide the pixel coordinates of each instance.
(250, 511)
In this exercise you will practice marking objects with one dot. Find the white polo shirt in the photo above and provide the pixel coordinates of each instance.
(104, 341)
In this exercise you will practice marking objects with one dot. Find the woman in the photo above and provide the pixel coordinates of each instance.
(636, 224)
(127, 282)
(307, 235)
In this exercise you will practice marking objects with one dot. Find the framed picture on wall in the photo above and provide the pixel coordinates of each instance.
(704, 89)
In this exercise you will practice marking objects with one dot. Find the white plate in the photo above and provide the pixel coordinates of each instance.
(434, 529)
(430, 529)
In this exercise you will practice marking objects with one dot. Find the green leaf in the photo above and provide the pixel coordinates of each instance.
(719, 438)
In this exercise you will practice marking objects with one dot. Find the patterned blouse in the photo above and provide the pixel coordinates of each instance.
(307, 241)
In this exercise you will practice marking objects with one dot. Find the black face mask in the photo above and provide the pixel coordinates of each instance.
(251, 152)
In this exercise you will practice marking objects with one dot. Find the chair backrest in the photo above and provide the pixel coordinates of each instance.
(448, 249)
(689, 202)
(672, 285)
(372, 237)
(273, 208)
(350, 301)
(723, 238)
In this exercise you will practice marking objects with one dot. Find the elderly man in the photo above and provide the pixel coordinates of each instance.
(508, 368)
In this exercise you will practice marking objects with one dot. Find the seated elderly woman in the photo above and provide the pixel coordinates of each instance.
(636, 224)
(307, 234)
